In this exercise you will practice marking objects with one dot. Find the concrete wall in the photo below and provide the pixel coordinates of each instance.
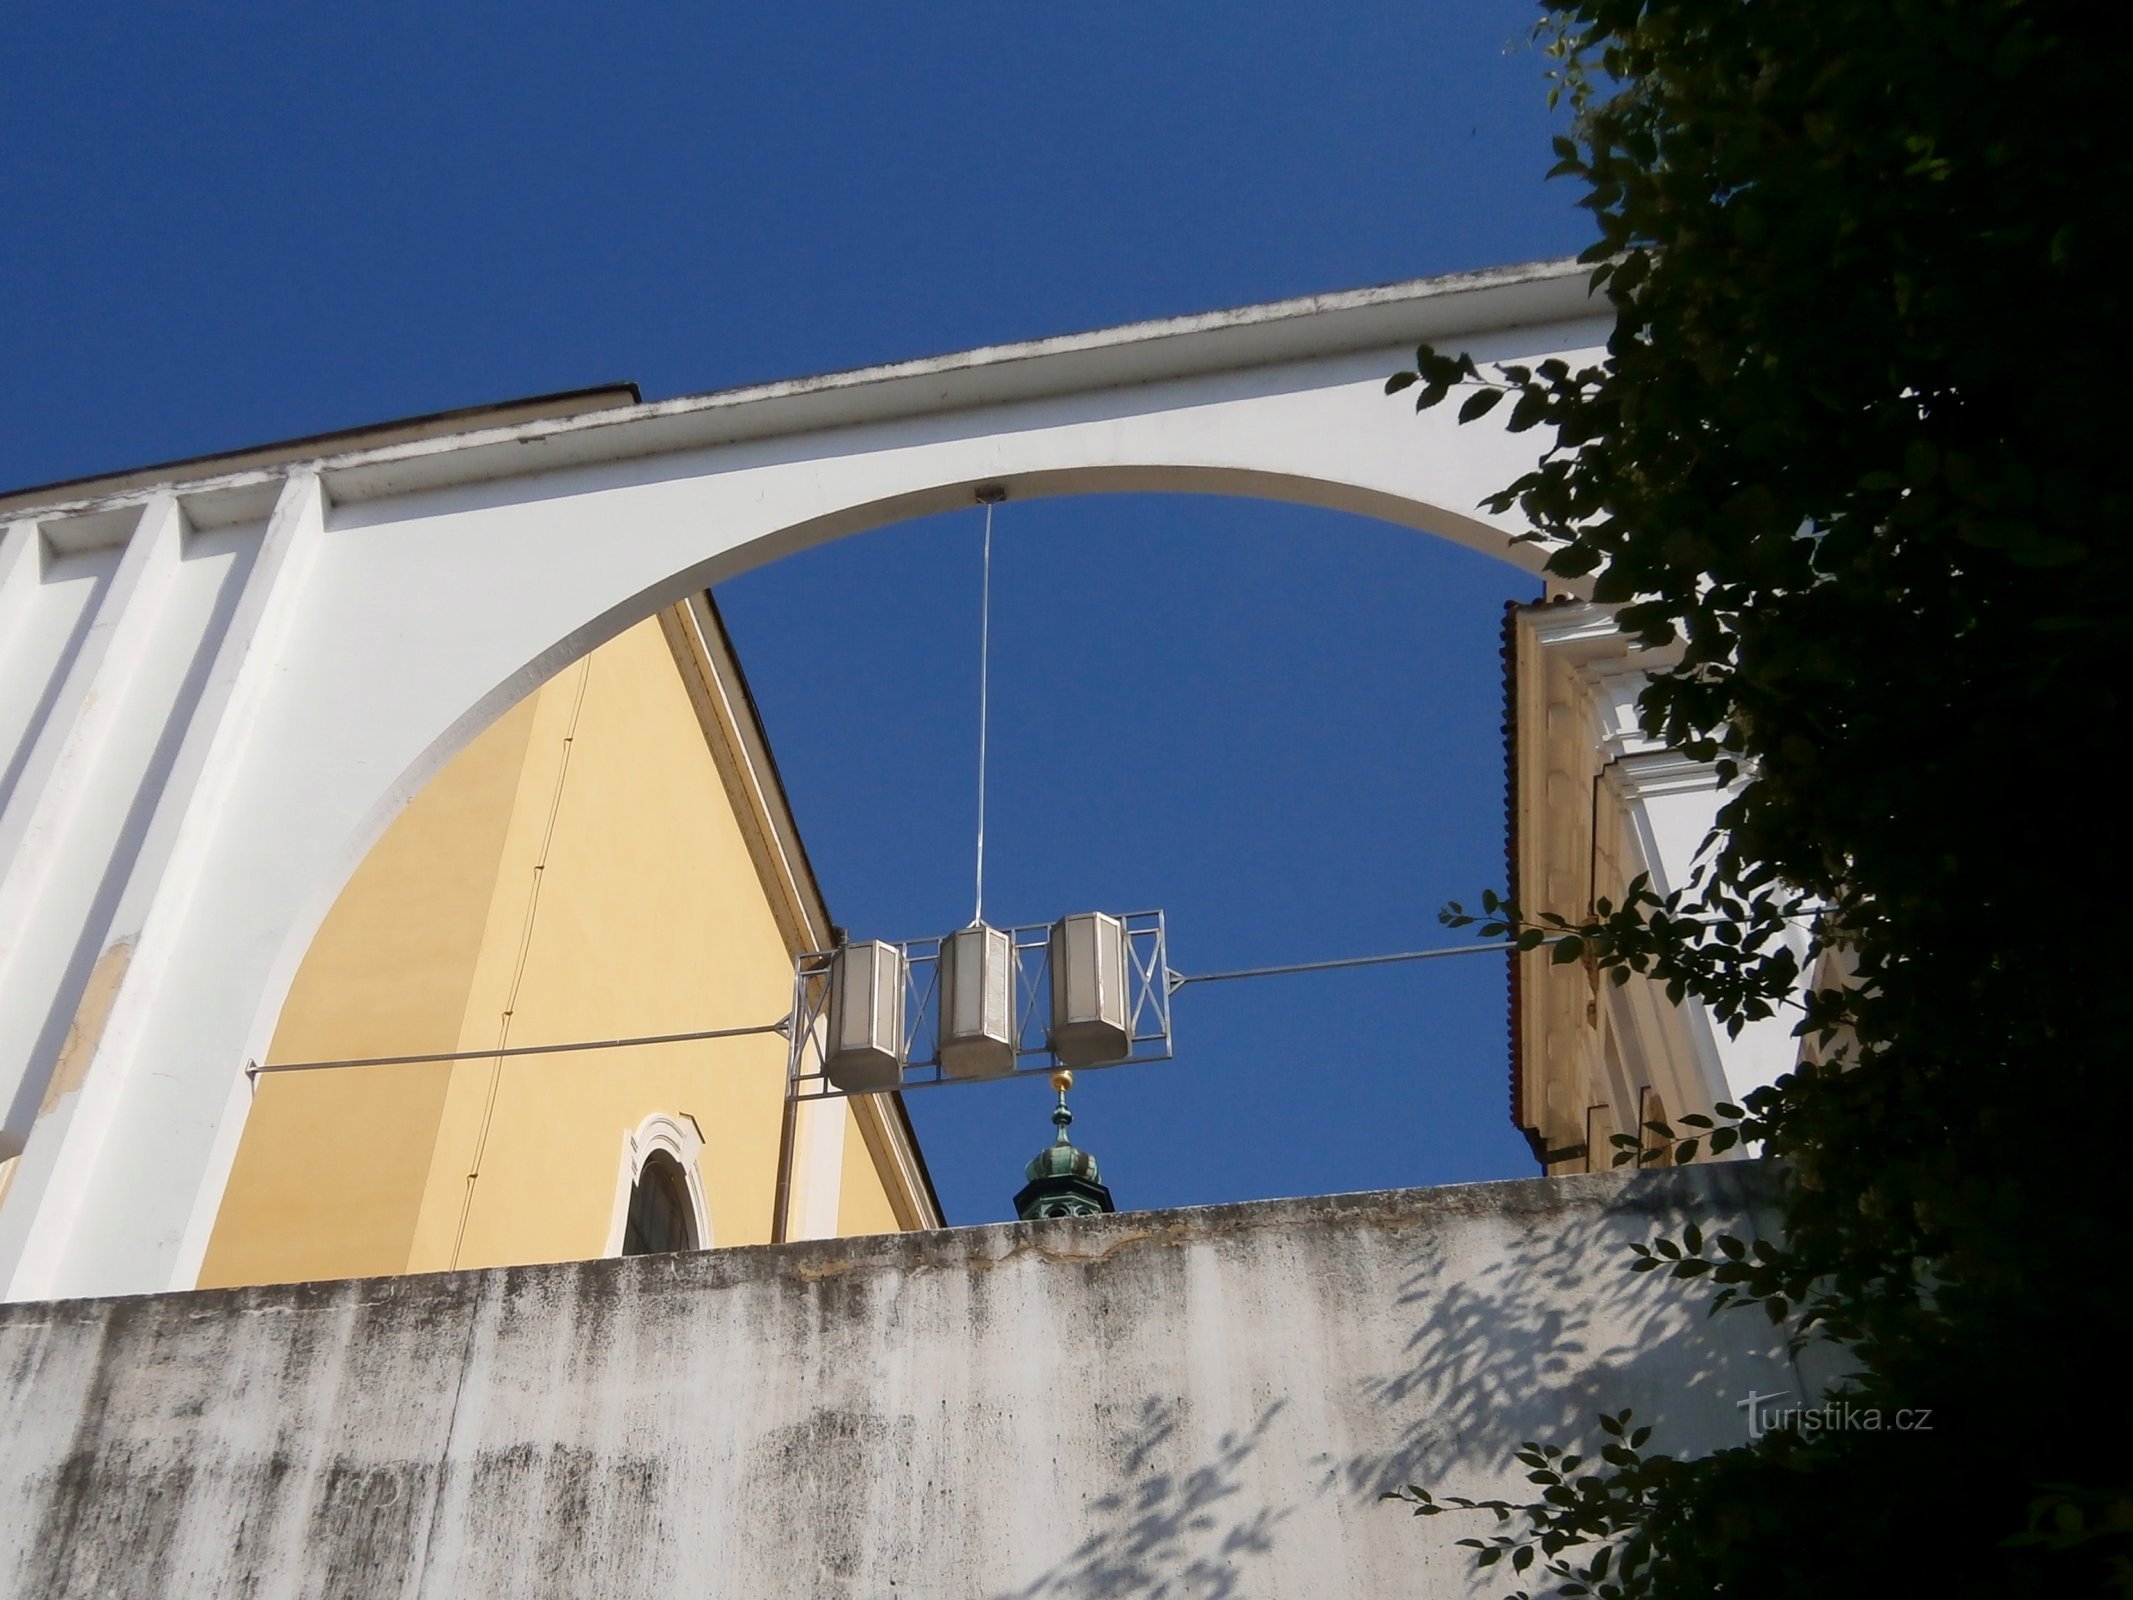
(1185, 1403)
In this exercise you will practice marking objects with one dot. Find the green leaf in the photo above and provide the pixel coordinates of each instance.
(1849, 467)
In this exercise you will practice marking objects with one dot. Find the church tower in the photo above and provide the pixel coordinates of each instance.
(1063, 1181)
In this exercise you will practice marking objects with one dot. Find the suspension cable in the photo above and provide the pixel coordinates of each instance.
(1178, 980)
(990, 496)
(1174, 980)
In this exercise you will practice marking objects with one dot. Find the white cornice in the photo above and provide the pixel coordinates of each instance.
(1643, 774)
(379, 462)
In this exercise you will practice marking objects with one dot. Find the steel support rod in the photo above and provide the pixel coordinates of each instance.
(253, 1069)
(1178, 980)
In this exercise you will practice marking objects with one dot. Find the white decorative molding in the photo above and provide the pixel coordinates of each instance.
(678, 1137)
(1599, 802)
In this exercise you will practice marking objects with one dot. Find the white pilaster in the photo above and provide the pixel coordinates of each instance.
(68, 809)
(21, 682)
(88, 1192)
(818, 1184)
(18, 570)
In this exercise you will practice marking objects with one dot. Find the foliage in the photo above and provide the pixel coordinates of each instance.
(1851, 462)
(1607, 1510)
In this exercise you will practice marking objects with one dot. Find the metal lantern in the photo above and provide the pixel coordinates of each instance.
(977, 1014)
(1091, 1011)
(865, 1048)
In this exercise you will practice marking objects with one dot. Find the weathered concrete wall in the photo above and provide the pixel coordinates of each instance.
(1184, 1403)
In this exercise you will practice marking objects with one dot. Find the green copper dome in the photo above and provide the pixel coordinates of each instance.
(1059, 1159)
(1063, 1181)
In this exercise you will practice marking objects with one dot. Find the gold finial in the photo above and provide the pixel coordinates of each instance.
(1062, 1079)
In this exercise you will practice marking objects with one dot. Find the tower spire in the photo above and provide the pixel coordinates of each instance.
(1063, 1181)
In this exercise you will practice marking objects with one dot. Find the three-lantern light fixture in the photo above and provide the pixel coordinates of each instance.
(1089, 990)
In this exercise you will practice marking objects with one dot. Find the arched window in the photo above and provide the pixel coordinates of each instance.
(660, 1216)
(660, 1203)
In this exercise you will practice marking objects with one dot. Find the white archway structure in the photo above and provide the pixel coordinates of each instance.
(220, 681)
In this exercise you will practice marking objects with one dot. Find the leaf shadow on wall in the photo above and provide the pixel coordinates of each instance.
(1172, 1534)
(1532, 1344)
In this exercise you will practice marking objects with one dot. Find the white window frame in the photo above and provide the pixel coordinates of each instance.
(679, 1137)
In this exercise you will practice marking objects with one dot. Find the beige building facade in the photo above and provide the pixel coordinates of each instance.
(613, 857)
(1593, 805)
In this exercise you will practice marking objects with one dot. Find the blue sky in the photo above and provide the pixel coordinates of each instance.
(233, 224)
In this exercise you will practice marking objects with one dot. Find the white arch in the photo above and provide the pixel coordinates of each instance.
(674, 1136)
(399, 597)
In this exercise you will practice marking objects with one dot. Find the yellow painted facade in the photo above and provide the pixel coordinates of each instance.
(612, 857)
